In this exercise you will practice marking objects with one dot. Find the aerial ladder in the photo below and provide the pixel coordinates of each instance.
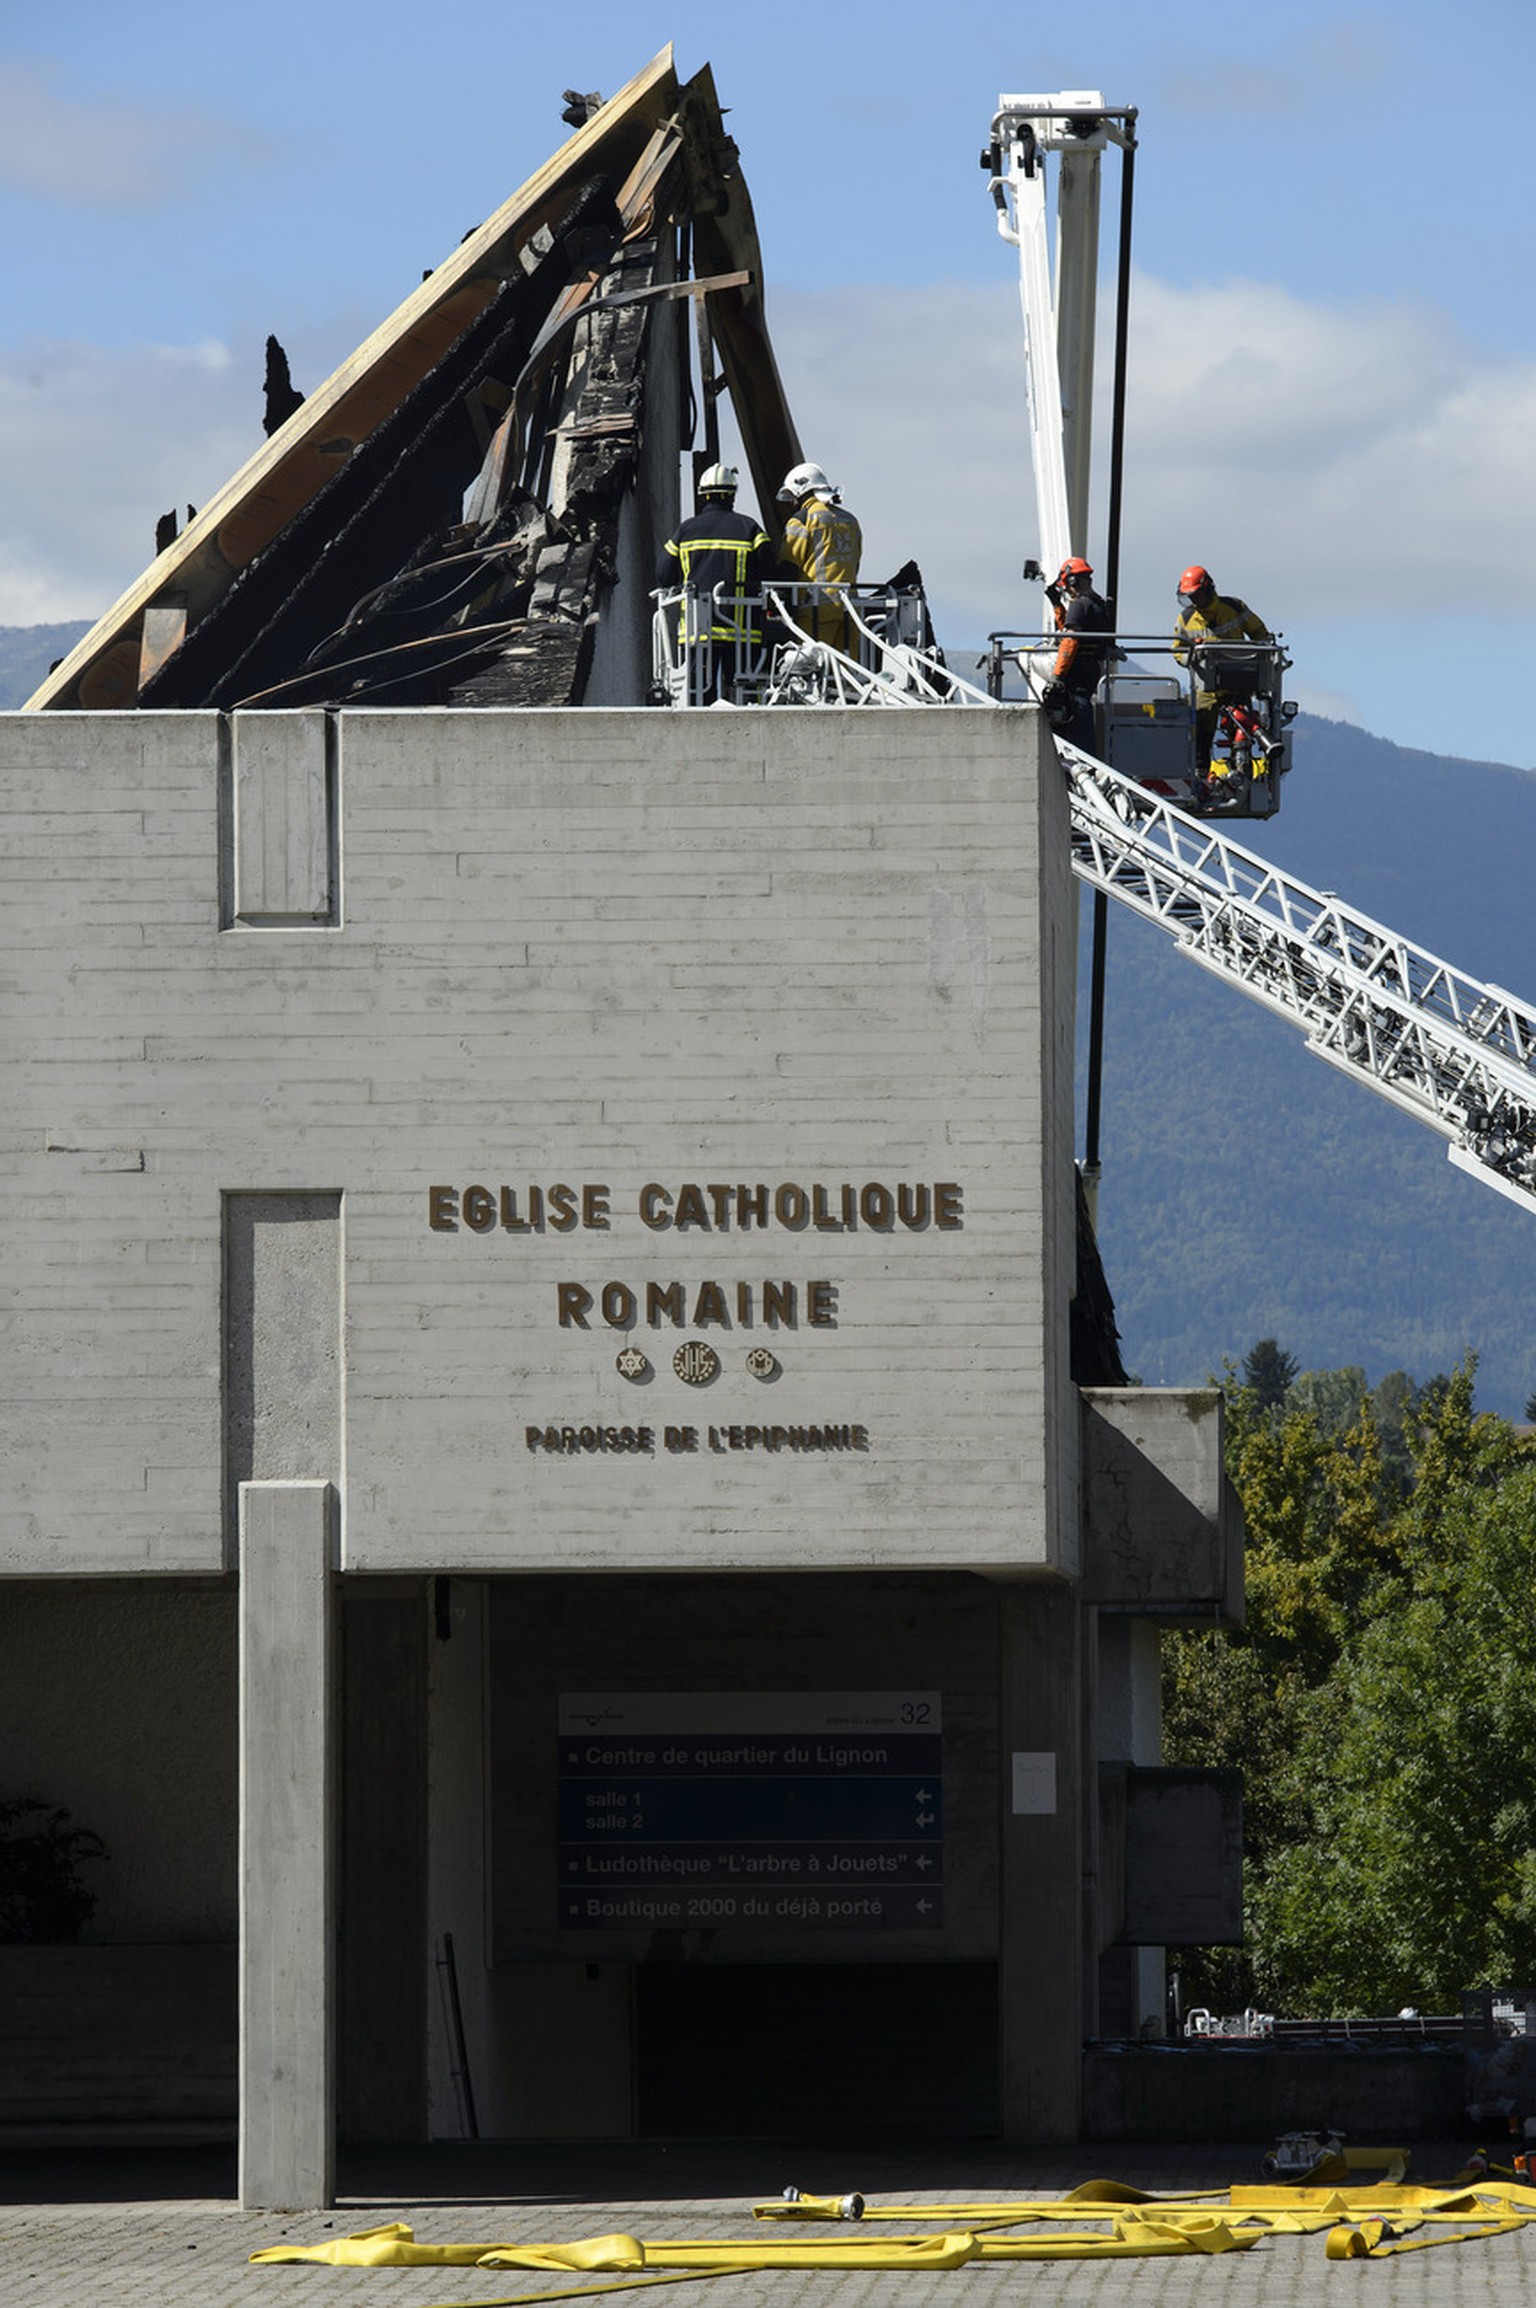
(1148, 828)
(1457, 1054)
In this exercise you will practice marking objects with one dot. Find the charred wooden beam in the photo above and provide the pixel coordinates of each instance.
(402, 486)
(253, 509)
(281, 396)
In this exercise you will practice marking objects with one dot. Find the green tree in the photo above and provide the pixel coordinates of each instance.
(1420, 1876)
(1268, 1371)
(1265, 1698)
(1331, 1397)
(42, 1897)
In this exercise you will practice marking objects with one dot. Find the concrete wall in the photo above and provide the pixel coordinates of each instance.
(1241, 2093)
(109, 2042)
(396, 1097)
(117, 1701)
(603, 950)
(1163, 1528)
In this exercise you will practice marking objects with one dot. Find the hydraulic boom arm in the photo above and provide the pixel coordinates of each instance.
(1459, 1055)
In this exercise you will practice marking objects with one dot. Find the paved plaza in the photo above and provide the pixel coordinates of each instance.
(160, 2229)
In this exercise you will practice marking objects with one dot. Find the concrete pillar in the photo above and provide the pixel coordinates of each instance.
(287, 1937)
(1040, 1953)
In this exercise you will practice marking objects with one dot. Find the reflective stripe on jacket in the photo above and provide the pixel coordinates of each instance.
(824, 542)
(1081, 654)
(719, 548)
(1224, 618)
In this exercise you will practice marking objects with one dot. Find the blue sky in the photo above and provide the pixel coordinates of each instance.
(1334, 337)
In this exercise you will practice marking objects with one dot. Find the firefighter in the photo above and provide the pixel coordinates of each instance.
(723, 560)
(1206, 615)
(1082, 618)
(822, 544)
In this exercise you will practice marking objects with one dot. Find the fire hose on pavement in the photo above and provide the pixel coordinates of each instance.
(1360, 2221)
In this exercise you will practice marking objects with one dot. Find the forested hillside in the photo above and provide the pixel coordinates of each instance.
(26, 652)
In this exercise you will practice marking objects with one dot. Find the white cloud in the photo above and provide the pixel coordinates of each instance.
(102, 153)
(94, 446)
(1339, 462)
(1328, 704)
(1353, 53)
(1354, 460)
(1347, 469)
(914, 403)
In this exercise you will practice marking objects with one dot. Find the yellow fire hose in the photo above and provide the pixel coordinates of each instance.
(1363, 2222)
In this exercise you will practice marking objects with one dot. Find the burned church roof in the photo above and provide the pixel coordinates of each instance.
(466, 513)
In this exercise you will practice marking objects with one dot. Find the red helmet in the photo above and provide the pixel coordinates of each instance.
(1195, 580)
(1075, 567)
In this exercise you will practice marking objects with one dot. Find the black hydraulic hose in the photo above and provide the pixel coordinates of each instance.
(480, 637)
(1096, 1034)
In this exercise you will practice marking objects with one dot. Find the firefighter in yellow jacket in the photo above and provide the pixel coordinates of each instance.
(1206, 615)
(822, 543)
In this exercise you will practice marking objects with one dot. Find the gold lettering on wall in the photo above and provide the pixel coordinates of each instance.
(716, 1208)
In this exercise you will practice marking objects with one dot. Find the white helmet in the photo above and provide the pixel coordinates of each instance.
(804, 481)
(718, 481)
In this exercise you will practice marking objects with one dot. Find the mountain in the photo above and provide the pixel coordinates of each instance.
(27, 651)
(1249, 1190)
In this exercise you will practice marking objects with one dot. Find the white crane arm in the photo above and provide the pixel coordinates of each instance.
(1029, 229)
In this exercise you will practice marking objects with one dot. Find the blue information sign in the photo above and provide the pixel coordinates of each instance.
(753, 1809)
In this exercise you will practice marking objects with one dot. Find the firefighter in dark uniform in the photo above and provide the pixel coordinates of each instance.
(1082, 619)
(722, 559)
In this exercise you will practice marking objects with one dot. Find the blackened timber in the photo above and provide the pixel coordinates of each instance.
(397, 488)
(539, 664)
(246, 516)
(602, 431)
(281, 395)
(595, 442)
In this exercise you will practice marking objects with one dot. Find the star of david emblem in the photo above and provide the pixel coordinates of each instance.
(631, 1363)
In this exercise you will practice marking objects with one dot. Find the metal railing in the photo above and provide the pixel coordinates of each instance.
(1203, 723)
(799, 644)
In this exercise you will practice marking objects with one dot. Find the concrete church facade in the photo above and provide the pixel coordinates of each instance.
(541, 1249)
(547, 1521)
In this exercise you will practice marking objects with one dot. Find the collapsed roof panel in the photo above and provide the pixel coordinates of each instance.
(443, 520)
